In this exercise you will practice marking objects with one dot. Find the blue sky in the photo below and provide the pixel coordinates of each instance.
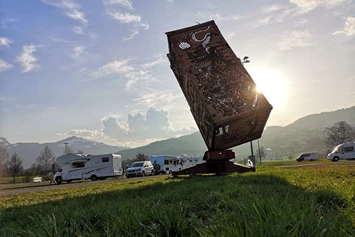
(98, 69)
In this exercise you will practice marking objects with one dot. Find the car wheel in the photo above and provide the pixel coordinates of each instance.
(94, 178)
(143, 174)
(336, 159)
(157, 167)
(58, 180)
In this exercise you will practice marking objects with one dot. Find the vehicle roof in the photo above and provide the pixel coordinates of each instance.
(76, 157)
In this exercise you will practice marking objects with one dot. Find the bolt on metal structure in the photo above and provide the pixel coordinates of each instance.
(221, 95)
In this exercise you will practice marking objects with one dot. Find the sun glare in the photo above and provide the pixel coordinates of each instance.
(271, 84)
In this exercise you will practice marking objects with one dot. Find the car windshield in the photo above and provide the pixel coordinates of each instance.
(138, 164)
(336, 149)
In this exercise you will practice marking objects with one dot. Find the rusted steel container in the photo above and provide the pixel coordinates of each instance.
(221, 94)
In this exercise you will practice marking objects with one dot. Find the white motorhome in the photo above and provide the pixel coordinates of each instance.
(345, 151)
(94, 167)
(192, 161)
(166, 164)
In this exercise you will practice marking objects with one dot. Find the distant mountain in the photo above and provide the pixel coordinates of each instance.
(191, 145)
(325, 119)
(30, 151)
(304, 135)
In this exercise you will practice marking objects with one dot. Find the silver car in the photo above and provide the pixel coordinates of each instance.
(140, 168)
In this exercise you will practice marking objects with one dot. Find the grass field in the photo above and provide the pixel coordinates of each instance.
(306, 201)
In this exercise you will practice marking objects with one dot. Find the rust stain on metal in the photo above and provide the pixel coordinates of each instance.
(221, 94)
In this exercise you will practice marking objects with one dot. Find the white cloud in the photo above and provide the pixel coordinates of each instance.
(129, 71)
(349, 27)
(262, 22)
(5, 42)
(78, 30)
(26, 59)
(117, 10)
(158, 59)
(157, 97)
(70, 8)
(230, 35)
(294, 39)
(76, 15)
(4, 65)
(85, 133)
(4, 23)
(302, 22)
(131, 36)
(154, 124)
(58, 40)
(218, 17)
(125, 17)
(144, 26)
(271, 8)
(5, 98)
(308, 5)
(77, 52)
(113, 67)
(124, 3)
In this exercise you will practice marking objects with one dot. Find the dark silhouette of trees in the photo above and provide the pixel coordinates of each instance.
(339, 133)
(141, 157)
(14, 166)
(46, 160)
(4, 156)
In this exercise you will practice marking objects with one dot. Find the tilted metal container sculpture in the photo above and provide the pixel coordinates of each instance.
(221, 94)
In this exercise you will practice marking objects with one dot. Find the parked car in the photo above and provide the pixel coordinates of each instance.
(308, 156)
(345, 151)
(37, 179)
(140, 168)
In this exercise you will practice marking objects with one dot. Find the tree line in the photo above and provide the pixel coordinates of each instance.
(45, 163)
(340, 132)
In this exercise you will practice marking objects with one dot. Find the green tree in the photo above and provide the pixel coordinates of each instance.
(141, 157)
(14, 166)
(339, 133)
(4, 156)
(46, 160)
(262, 154)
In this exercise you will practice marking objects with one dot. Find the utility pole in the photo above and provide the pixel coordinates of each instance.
(245, 60)
(259, 151)
(66, 147)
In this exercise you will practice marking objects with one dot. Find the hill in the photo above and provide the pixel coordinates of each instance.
(30, 151)
(304, 135)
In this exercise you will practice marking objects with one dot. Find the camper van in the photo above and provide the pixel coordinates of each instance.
(94, 167)
(345, 151)
(166, 164)
(308, 156)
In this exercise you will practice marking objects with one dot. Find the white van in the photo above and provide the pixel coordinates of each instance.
(78, 166)
(345, 151)
(308, 156)
(166, 164)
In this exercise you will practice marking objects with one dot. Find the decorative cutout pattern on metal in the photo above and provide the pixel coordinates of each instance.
(221, 94)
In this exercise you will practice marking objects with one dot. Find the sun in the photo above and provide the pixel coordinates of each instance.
(271, 84)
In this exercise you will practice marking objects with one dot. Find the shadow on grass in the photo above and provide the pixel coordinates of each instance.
(237, 205)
